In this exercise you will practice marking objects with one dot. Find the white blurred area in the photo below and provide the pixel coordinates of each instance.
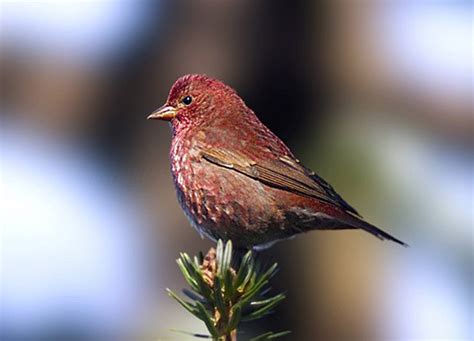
(426, 289)
(71, 247)
(75, 262)
(431, 46)
(409, 81)
(79, 31)
(430, 43)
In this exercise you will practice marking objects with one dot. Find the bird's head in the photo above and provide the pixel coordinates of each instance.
(195, 100)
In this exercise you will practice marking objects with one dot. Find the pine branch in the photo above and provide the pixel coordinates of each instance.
(223, 295)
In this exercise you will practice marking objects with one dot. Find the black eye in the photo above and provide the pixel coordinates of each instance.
(187, 100)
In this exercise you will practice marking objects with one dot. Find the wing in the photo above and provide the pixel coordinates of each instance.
(285, 173)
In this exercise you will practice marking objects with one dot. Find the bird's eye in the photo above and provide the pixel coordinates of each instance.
(187, 100)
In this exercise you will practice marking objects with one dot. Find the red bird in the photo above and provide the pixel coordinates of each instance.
(236, 180)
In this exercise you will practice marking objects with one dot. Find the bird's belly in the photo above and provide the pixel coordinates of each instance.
(222, 203)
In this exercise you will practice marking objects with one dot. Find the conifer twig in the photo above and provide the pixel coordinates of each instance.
(223, 295)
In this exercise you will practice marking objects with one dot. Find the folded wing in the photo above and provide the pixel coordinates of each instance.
(285, 173)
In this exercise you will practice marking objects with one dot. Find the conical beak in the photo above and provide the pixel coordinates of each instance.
(165, 113)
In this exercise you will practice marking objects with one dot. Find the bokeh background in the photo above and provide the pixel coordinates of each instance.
(376, 96)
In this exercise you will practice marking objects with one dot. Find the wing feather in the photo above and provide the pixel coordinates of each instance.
(284, 173)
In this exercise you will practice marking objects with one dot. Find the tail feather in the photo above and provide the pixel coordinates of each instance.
(379, 233)
(335, 220)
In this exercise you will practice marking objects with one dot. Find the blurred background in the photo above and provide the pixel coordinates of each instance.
(376, 96)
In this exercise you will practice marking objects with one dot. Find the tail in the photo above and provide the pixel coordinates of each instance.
(378, 232)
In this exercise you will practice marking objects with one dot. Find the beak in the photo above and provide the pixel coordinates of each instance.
(165, 113)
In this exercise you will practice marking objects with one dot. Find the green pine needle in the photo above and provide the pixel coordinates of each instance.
(222, 296)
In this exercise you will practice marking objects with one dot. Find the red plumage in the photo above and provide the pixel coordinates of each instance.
(236, 180)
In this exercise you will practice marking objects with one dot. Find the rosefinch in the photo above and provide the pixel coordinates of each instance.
(236, 180)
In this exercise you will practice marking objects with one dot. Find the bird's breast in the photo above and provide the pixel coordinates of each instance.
(220, 202)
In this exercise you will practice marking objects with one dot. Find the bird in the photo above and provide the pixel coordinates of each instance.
(236, 180)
